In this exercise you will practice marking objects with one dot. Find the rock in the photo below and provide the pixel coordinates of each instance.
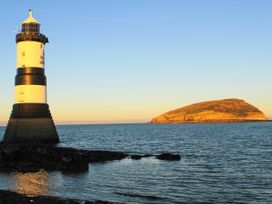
(98, 202)
(9, 197)
(33, 157)
(169, 157)
(30, 158)
(136, 157)
(228, 110)
(102, 156)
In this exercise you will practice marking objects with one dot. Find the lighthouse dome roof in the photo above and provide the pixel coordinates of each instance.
(30, 19)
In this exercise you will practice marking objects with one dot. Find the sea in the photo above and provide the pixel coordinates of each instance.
(221, 163)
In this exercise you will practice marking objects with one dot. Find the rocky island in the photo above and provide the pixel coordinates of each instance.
(227, 110)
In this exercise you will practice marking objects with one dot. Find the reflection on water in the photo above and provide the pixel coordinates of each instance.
(31, 184)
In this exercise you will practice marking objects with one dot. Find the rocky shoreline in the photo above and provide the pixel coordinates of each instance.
(9, 197)
(35, 157)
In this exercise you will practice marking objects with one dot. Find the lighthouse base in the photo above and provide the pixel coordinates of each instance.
(31, 123)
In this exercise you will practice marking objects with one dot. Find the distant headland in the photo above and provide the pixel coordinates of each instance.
(227, 110)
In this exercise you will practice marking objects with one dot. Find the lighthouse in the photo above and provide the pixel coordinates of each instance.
(30, 119)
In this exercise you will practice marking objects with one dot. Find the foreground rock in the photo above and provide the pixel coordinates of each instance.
(33, 157)
(9, 197)
(228, 110)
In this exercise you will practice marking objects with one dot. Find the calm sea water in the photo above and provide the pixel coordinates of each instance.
(220, 163)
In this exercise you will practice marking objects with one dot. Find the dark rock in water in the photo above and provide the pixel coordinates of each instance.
(98, 202)
(136, 157)
(33, 157)
(9, 197)
(102, 156)
(21, 157)
(169, 157)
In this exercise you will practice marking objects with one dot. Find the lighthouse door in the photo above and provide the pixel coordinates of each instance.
(21, 95)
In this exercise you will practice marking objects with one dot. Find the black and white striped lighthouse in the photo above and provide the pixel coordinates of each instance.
(30, 120)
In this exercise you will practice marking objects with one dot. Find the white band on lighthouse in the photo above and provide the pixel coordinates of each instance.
(30, 54)
(30, 94)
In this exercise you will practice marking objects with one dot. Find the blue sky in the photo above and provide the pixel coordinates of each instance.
(131, 60)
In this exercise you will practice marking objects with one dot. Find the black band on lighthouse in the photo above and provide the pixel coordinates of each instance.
(30, 70)
(30, 76)
(31, 110)
(31, 37)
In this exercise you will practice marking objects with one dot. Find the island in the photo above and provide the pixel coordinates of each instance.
(216, 111)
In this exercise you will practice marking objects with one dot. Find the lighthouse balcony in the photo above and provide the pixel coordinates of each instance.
(29, 36)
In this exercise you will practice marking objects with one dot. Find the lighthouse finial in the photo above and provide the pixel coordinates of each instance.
(30, 13)
(30, 19)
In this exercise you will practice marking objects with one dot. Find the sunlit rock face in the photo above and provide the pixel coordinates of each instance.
(227, 110)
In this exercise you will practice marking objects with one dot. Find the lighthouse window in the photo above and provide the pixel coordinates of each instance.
(23, 54)
(30, 28)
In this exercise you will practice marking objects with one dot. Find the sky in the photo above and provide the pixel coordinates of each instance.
(111, 61)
